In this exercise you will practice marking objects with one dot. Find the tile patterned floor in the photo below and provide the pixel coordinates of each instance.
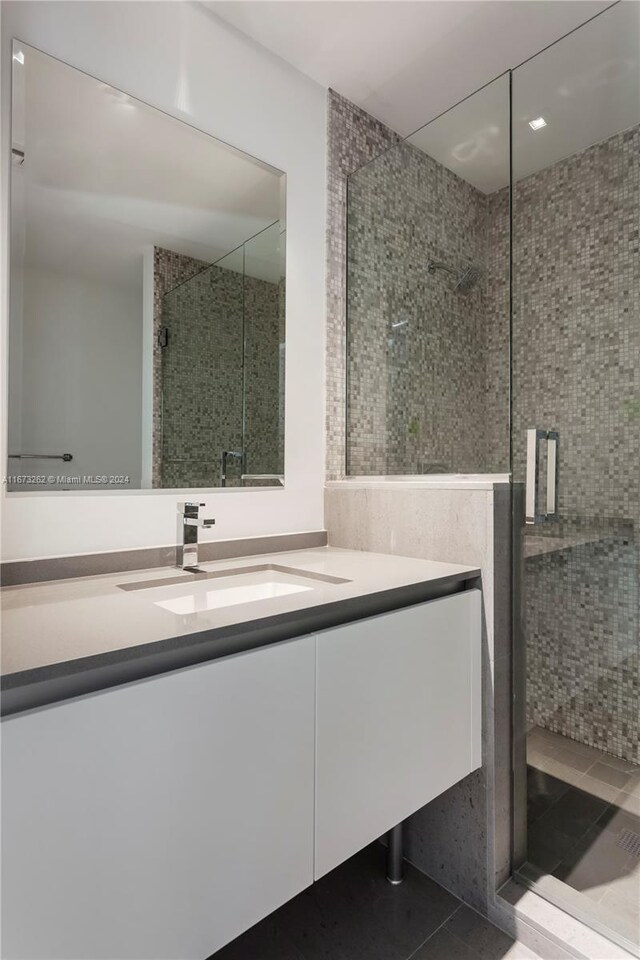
(582, 805)
(354, 914)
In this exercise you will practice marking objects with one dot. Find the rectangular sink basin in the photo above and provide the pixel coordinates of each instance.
(205, 590)
(212, 596)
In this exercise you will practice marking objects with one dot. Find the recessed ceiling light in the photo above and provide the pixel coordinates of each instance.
(19, 56)
(538, 123)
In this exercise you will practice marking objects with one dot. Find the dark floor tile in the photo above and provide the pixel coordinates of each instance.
(606, 874)
(595, 861)
(355, 914)
(542, 792)
(479, 934)
(266, 941)
(444, 946)
(318, 928)
(566, 821)
(541, 854)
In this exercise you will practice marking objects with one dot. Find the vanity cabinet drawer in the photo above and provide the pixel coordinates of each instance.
(398, 719)
(162, 818)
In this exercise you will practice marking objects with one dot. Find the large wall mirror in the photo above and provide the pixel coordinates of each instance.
(147, 295)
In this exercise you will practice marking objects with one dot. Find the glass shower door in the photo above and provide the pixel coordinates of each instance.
(576, 470)
(223, 369)
(264, 357)
(202, 377)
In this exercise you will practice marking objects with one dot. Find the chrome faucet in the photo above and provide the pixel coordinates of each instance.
(191, 521)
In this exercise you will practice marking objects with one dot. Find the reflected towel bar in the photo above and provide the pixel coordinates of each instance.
(41, 456)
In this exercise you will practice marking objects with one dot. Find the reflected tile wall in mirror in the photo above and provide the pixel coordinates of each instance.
(220, 336)
(113, 205)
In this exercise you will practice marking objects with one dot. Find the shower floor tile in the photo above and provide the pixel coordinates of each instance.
(583, 811)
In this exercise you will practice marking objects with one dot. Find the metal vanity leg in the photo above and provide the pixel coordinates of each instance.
(395, 863)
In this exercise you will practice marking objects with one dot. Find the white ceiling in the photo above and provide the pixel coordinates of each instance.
(472, 139)
(587, 88)
(405, 61)
(105, 176)
(408, 61)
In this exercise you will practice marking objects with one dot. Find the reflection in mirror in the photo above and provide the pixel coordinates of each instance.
(221, 343)
(264, 354)
(147, 295)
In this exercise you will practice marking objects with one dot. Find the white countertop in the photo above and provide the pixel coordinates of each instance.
(65, 621)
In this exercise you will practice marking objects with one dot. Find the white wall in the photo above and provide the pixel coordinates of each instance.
(179, 57)
(81, 370)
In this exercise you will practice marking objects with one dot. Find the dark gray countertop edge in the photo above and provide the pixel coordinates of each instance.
(29, 689)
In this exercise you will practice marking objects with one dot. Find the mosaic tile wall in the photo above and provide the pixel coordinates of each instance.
(421, 356)
(202, 378)
(264, 306)
(169, 269)
(577, 302)
(353, 138)
(582, 629)
(576, 368)
(416, 347)
(497, 335)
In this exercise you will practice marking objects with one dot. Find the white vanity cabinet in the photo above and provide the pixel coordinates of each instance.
(162, 818)
(398, 719)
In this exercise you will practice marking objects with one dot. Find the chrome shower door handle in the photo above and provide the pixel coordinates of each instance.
(535, 438)
(552, 475)
(531, 488)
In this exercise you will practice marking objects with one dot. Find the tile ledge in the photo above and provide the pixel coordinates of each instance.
(453, 481)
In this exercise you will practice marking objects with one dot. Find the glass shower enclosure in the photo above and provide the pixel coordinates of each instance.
(493, 327)
(222, 373)
(575, 429)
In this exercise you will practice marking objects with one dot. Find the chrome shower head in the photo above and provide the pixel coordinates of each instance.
(465, 281)
(468, 279)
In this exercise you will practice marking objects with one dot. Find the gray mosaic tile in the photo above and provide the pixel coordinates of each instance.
(576, 369)
(169, 270)
(416, 347)
(220, 381)
(353, 138)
